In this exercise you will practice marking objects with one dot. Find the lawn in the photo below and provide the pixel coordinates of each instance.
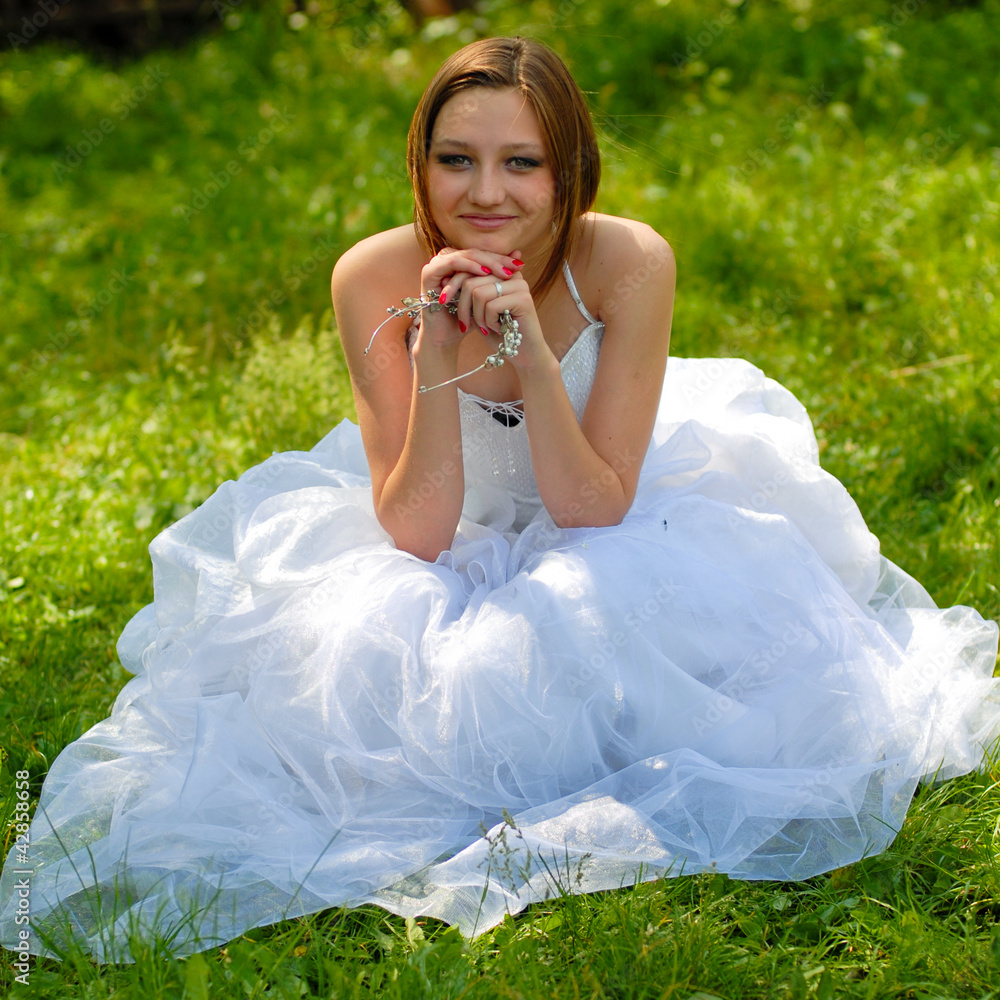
(828, 174)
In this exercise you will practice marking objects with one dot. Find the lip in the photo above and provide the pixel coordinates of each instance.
(488, 221)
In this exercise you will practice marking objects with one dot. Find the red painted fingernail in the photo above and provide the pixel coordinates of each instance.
(486, 270)
(507, 271)
(484, 331)
(462, 326)
(442, 298)
(517, 263)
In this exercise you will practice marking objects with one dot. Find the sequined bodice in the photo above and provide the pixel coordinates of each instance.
(496, 454)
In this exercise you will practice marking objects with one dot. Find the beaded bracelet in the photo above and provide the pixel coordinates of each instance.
(510, 336)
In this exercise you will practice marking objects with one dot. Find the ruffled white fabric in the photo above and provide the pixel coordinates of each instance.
(732, 679)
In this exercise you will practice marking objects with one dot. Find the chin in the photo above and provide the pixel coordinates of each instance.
(494, 242)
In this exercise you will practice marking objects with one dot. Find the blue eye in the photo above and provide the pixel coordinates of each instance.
(461, 160)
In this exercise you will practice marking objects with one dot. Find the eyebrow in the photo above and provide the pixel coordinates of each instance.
(461, 144)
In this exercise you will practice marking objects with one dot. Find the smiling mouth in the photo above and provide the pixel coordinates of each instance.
(487, 221)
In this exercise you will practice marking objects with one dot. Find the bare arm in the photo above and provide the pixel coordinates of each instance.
(587, 473)
(413, 440)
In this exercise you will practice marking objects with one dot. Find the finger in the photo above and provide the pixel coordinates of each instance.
(451, 287)
(449, 284)
(441, 274)
(452, 271)
(505, 266)
(464, 294)
(483, 262)
(486, 302)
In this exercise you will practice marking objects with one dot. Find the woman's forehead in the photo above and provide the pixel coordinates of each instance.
(499, 114)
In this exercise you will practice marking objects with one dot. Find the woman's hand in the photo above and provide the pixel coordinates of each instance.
(473, 278)
(488, 298)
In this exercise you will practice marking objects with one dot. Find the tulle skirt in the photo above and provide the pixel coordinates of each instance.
(732, 679)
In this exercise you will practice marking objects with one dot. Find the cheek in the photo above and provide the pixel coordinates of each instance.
(543, 192)
(442, 189)
(542, 197)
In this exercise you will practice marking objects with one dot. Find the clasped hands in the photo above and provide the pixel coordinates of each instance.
(474, 287)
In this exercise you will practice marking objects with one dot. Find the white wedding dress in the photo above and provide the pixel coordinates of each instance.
(732, 679)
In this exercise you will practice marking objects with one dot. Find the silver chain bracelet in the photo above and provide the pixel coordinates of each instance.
(510, 335)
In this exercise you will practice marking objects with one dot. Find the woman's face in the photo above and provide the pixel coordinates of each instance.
(490, 184)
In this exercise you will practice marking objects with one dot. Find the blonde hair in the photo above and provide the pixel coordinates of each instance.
(537, 72)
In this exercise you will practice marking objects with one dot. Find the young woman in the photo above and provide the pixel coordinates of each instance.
(496, 181)
(613, 603)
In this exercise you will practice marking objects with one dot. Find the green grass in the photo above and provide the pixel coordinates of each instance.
(829, 180)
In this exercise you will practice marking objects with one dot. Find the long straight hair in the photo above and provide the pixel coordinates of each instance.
(537, 72)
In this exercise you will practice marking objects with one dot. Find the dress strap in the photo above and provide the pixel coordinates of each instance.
(567, 274)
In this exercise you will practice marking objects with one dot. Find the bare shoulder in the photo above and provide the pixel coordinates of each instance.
(383, 254)
(616, 233)
(621, 257)
(631, 276)
(373, 274)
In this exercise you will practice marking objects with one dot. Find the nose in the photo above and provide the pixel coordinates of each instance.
(486, 188)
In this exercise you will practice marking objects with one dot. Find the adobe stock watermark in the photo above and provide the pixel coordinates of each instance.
(768, 318)
(22, 884)
(249, 150)
(708, 375)
(271, 815)
(761, 156)
(223, 8)
(374, 27)
(633, 620)
(626, 287)
(376, 362)
(126, 103)
(590, 492)
(762, 497)
(267, 305)
(274, 643)
(983, 283)
(899, 15)
(30, 26)
(709, 30)
(432, 481)
(58, 343)
(727, 697)
(565, 10)
(806, 793)
(221, 519)
(934, 146)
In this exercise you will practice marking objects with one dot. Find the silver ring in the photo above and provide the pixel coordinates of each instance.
(499, 288)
